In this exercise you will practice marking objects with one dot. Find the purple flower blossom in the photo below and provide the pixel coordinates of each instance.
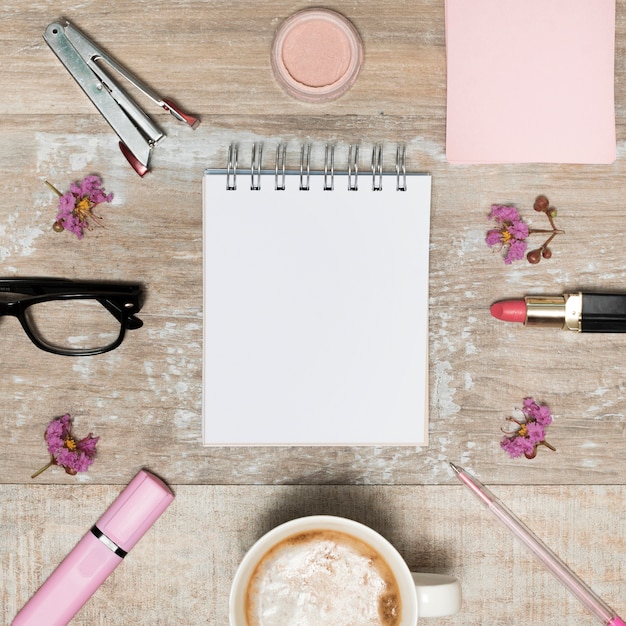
(540, 413)
(535, 432)
(516, 446)
(516, 251)
(75, 212)
(511, 232)
(493, 238)
(530, 433)
(73, 455)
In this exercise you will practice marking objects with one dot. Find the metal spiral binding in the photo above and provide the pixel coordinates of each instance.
(305, 166)
(329, 164)
(353, 167)
(377, 168)
(255, 166)
(281, 156)
(231, 168)
(401, 168)
(281, 171)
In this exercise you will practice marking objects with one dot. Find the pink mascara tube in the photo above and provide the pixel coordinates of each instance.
(98, 553)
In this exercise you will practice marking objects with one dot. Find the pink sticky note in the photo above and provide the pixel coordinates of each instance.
(530, 81)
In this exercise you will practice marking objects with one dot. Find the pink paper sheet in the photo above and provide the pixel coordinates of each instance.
(530, 81)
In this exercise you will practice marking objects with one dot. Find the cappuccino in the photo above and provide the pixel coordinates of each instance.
(322, 578)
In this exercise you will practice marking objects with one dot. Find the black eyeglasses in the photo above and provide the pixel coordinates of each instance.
(71, 317)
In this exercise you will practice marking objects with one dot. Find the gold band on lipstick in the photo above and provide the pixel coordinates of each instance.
(555, 311)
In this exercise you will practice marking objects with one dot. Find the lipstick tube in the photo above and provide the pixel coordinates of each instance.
(581, 312)
(98, 553)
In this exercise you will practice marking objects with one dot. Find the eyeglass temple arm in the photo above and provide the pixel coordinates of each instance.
(132, 322)
(43, 286)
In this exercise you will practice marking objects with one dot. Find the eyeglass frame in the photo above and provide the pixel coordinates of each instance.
(122, 299)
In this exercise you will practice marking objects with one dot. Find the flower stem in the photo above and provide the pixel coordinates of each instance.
(550, 220)
(42, 470)
(53, 188)
(546, 243)
(547, 445)
(556, 231)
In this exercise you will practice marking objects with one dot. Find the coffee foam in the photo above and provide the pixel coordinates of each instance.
(323, 578)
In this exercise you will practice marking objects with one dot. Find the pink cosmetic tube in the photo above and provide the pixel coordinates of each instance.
(98, 553)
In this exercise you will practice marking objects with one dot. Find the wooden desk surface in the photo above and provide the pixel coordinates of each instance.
(144, 399)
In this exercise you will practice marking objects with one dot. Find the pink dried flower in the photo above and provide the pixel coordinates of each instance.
(75, 212)
(73, 455)
(511, 232)
(530, 433)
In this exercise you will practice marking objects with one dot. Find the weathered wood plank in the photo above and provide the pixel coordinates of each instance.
(181, 571)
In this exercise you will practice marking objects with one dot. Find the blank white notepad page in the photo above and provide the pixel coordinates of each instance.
(315, 312)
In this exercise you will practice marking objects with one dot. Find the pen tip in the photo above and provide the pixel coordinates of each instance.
(454, 467)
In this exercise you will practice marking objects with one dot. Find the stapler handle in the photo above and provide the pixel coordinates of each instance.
(135, 163)
(179, 114)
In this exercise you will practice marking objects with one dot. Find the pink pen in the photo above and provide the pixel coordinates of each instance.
(594, 604)
(98, 553)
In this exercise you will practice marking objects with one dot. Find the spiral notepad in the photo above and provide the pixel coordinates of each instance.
(315, 302)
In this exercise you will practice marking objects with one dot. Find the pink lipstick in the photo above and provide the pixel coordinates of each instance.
(581, 312)
(98, 553)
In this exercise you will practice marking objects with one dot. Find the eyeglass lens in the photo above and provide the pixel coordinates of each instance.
(76, 324)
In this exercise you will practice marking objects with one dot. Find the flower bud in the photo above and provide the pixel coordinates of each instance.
(541, 203)
(534, 256)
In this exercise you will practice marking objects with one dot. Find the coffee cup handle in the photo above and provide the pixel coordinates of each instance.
(438, 595)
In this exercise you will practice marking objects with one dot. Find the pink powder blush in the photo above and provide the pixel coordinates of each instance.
(317, 55)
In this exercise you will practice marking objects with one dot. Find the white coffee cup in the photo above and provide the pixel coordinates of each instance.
(284, 567)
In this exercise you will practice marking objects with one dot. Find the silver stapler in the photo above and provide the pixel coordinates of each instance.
(91, 68)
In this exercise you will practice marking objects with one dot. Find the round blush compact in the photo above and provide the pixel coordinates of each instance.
(317, 55)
